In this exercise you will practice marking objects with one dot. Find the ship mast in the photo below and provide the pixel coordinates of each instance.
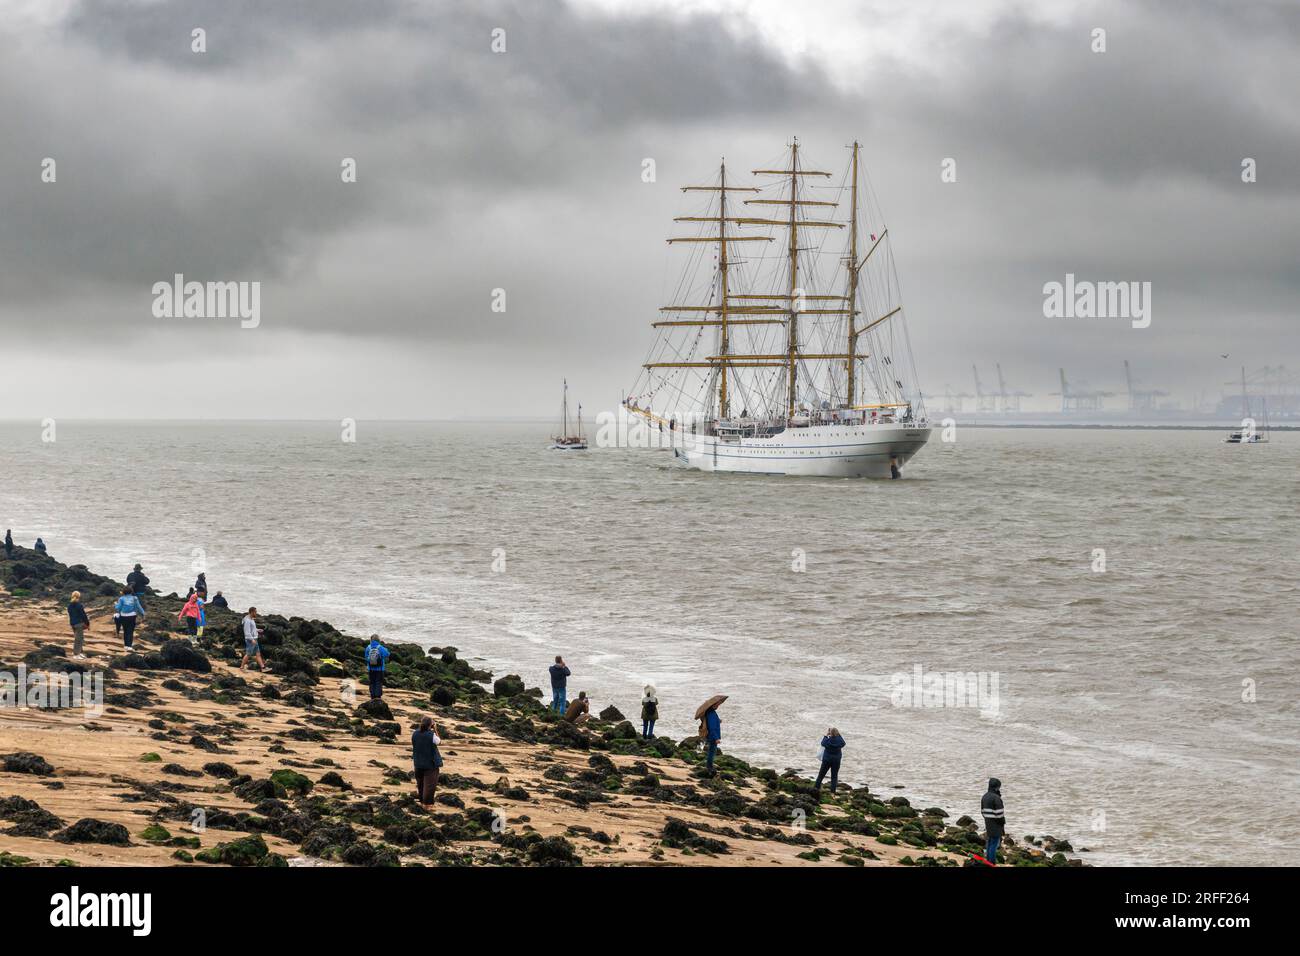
(793, 328)
(852, 363)
(724, 410)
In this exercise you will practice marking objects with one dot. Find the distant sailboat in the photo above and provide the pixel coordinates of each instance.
(1248, 434)
(564, 441)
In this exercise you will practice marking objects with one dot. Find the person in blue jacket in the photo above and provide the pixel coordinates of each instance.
(559, 685)
(127, 612)
(376, 658)
(713, 728)
(40, 546)
(832, 748)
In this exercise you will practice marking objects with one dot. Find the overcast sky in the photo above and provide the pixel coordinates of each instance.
(521, 170)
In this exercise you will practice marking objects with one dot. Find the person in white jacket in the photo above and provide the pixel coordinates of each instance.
(251, 647)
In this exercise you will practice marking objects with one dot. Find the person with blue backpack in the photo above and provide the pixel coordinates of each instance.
(376, 658)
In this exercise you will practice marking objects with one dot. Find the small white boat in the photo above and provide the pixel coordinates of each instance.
(564, 441)
(1248, 434)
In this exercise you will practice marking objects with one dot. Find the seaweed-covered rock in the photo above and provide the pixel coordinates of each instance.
(443, 696)
(508, 686)
(623, 731)
(220, 769)
(376, 709)
(254, 791)
(291, 781)
(24, 762)
(88, 830)
(179, 654)
(553, 851)
(287, 661)
(246, 851)
(679, 835)
(31, 818)
(203, 743)
(612, 714)
(334, 779)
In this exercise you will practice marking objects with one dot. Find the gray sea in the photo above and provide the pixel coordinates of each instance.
(1142, 703)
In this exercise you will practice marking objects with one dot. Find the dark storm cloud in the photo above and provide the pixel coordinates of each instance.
(227, 163)
(1183, 89)
(521, 170)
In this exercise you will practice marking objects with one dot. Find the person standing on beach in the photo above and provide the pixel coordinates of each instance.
(191, 614)
(832, 747)
(251, 648)
(559, 685)
(9, 543)
(201, 582)
(40, 546)
(713, 733)
(203, 614)
(127, 611)
(428, 761)
(649, 713)
(79, 621)
(376, 658)
(137, 581)
(995, 821)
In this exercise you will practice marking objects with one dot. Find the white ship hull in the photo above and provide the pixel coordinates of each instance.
(825, 451)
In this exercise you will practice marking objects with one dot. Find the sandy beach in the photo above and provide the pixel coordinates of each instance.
(194, 761)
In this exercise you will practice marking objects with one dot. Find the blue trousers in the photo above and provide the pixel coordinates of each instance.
(834, 768)
(647, 728)
(991, 849)
(713, 749)
(376, 684)
(559, 702)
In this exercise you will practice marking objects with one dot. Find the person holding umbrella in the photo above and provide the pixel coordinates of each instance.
(710, 728)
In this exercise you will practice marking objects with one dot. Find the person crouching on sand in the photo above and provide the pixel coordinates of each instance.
(79, 621)
(127, 611)
(579, 711)
(252, 649)
(428, 761)
(832, 748)
(649, 713)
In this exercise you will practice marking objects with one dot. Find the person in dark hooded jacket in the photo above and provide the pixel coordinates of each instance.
(995, 822)
(560, 674)
(137, 581)
(428, 761)
(9, 544)
(832, 750)
(40, 546)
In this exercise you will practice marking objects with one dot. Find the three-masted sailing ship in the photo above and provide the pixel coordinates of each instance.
(565, 441)
(787, 353)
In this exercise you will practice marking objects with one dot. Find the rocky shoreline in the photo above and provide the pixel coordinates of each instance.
(193, 762)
